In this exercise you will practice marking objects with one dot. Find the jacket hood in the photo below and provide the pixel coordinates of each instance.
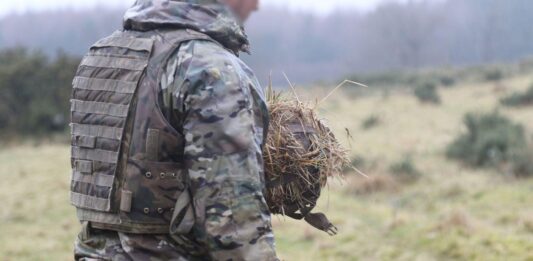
(206, 16)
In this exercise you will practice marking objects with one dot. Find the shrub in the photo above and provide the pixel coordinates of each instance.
(490, 139)
(519, 99)
(427, 93)
(34, 92)
(370, 122)
(493, 75)
(522, 163)
(447, 80)
(405, 170)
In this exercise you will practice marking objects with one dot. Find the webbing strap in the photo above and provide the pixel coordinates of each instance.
(136, 44)
(183, 217)
(95, 179)
(152, 144)
(97, 155)
(100, 108)
(83, 166)
(97, 131)
(94, 84)
(126, 198)
(114, 62)
(97, 216)
(85, 141)
(89, 202)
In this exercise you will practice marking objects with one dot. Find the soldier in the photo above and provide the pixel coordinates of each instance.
(168, 126)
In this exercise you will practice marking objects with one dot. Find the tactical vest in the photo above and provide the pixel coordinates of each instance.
(126, 157)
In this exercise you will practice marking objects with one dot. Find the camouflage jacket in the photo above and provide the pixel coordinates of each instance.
(214, 99)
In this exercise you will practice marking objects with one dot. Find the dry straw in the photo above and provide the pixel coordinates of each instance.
(301, 154)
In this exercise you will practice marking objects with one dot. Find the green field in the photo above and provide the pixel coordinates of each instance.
(451, 213)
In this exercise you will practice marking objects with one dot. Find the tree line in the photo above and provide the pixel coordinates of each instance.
(409, 34)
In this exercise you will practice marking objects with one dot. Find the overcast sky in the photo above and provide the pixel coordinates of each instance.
(320, 6)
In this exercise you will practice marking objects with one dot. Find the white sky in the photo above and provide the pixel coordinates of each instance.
(317, 6)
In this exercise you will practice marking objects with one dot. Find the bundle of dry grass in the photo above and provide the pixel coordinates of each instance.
(300, 155)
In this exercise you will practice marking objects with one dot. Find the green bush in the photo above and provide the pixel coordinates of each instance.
(370, 122)
(34, 92)
(522, 163)
(519, 99)
(493, 75)
(490, 139)
(427, 93)
(405, 170)
(447, 80)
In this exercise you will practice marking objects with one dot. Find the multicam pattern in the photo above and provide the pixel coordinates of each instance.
(224, 132)
(93, 244)
(214, 101)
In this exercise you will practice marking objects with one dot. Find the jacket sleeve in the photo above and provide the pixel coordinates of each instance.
(225, 166)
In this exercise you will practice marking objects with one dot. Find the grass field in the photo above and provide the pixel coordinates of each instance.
(451, 213)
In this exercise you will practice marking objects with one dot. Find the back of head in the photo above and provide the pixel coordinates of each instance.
(210, 17)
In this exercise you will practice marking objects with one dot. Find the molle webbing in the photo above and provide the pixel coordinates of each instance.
(138, 45)
(91, 84)
(126, 157)
(100, 108)
(100, 95)
(96, 131)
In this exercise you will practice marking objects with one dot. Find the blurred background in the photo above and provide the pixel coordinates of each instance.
(444, 132)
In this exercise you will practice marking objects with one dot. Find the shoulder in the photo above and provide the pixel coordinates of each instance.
(209, 62)
(208, 55)
(208, 70)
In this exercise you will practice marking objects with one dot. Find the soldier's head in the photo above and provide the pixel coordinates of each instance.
(242, 8)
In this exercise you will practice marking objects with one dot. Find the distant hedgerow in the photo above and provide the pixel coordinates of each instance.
(34, 92)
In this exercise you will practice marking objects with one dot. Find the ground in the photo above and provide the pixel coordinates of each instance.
(451, 213)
